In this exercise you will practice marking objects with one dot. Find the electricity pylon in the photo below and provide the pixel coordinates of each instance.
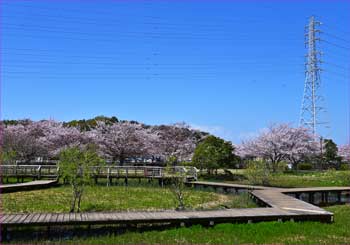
(311, 103)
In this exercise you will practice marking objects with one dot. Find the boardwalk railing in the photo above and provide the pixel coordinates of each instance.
(35, 171)
(52, 171)
(143, 172)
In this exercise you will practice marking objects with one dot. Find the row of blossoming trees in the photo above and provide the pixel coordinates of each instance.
(114, 140)
(118, 140)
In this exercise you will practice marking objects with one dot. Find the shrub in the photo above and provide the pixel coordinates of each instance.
(177, 181)
(305, 166)
(344, 166)
(282, 167)
(75, 167)
(258, 173)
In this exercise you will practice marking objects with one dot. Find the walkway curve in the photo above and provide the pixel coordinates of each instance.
(279, 207)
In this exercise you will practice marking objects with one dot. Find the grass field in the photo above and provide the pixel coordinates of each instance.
(292, 179)
(259, 233)
(102, 198)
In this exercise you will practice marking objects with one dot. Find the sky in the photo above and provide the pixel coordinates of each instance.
(227, 67)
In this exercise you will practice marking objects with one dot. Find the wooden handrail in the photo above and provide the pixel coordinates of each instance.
(120, 171)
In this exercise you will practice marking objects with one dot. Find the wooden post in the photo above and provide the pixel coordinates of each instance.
(126, 176)
(39, 172)
(339, 196)
(3, 235)
(108, 180)
(48, 231)
(326, 197)
(311, 197)
(161, 182)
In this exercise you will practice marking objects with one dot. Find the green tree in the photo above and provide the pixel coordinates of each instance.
(330, 151)
(171, 161)
(178, 187)
(213, 153)
(75, 167)
(8, 157)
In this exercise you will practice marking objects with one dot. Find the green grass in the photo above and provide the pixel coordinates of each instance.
(293, 179)
(259, 233)
(327, 178)
(117, 198)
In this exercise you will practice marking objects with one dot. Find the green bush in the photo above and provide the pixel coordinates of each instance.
(344, 166)
(258, 173)
(305, 166)
(282, 166)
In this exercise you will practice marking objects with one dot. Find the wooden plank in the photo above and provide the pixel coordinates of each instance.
(60, 218)
(78, 217)
(48, 218)
(100, 216)
(41, 218)
(29, 219)
(35, 218)
(5, 218)
(66, 218)
(53, 218)
(22, 219)
(71, 217)
(10, 218)
(92, 216)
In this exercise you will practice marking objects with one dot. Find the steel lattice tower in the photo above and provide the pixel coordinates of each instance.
(310, 109)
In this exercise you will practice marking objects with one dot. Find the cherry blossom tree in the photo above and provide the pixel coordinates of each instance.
(22, 141)
(344, 153)
(124, 139)
(58, 137)
(177, 140)
(44, 138)
(280, 142)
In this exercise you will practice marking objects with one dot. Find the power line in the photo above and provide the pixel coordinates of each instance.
(150, 58)
(335, 65)
(336, 37)
(109, 13)
(148, 35)
(10, 26)
(336, 45)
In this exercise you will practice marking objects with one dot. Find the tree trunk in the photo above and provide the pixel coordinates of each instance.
(79, 200)
(73, 203)
(121, 159)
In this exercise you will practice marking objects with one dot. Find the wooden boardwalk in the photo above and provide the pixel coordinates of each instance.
(229, 186)
(38, 184)
(279, 206)
(246, 215)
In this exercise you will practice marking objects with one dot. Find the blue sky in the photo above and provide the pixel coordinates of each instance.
(228, 67)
